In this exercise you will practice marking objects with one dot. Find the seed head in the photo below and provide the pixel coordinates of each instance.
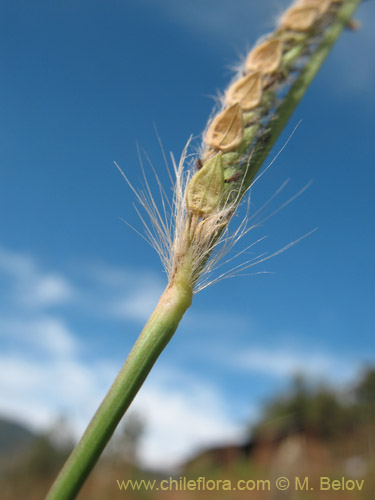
(235, 144)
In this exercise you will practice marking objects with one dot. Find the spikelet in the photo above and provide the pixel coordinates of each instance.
(321, 5)
(299, 18)
(247, 91)
(226, 130)
(265, 58)
(205, 189)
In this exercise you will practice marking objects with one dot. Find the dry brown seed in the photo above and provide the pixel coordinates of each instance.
(247, 91)
(321, 5)
(265, 58)
(226, 130)
(299, 18)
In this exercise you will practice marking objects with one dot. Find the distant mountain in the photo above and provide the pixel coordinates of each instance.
(14, 437)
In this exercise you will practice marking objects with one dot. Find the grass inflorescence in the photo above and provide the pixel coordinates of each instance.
(239, 135)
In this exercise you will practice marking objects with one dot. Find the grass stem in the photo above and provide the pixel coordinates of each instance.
(154, 337)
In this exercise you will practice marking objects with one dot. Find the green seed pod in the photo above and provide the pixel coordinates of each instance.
(205, 190)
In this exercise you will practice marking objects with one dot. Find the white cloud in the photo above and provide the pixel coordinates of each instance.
(285, 362)
(16, 263)
(38, 392)
(137, 304)
(133, 294)
(30, 286)
(19, 374)
(43, 375)
(179, 420)
(53, 335)
(110, 276)
(47, 334)
(51, 289)
(119, 293)
(182, 420)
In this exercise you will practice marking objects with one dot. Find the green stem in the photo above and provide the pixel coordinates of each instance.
(298, 89)
(155, 336)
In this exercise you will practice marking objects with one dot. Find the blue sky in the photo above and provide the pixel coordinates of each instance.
(82, 83)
